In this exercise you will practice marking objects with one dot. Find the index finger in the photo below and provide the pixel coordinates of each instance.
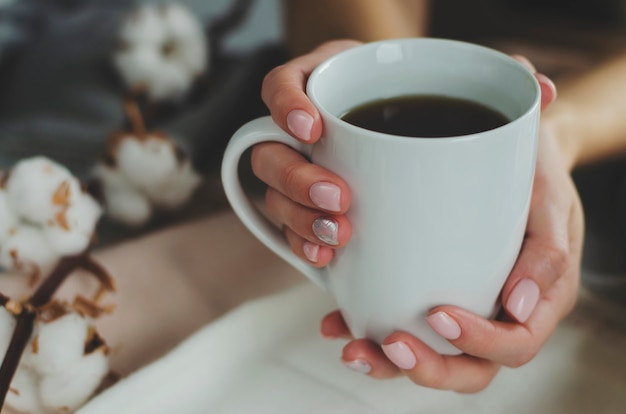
(284, 94)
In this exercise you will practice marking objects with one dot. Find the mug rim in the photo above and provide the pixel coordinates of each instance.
(327, 115)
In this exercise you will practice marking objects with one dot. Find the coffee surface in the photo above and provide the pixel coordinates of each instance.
(425, 116)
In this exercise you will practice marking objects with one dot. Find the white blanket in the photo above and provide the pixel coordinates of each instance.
(266, 357)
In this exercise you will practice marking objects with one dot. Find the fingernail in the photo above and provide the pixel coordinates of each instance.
(325, 196)
(400, 354)
(311, 251)
(326, 230)
(523, 299)
(546, 83)
(300, 124)
(444, 325)
(358, 365)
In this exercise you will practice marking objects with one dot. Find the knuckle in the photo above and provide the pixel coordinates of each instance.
(289, 177)
(429, 378)
(270, 204)
(270, 77)
(259, 156)
(270, 80)
(475, 387)
(558, 258)
(523, 358)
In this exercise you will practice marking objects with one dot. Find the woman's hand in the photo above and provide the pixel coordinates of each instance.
(541, 289)
(310, 203)
(307, 200)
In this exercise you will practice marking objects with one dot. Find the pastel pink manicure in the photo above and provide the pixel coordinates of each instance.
(444, 325)
(400, 354)
(523, 299)
(300, 124)
(326, 196)
(311, 251)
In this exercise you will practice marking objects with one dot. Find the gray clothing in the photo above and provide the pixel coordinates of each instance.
(61, 97)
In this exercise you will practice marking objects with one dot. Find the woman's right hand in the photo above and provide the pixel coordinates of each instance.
(308, 201)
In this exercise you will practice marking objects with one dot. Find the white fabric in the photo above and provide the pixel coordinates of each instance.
(266, 357)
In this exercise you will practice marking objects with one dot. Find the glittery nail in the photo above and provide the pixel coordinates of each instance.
(358, 365)
(326, 230)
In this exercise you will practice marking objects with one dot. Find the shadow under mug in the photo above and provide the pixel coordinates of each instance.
(435, 220)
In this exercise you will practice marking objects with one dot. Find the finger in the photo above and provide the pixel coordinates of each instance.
(283, 92)
(316, 254)
(548, 88)
(506, 343)
(544, 257)
(287, 171)
(424, 366)
(364, 356)
(525, 62)
(333, 326)
(329, 230)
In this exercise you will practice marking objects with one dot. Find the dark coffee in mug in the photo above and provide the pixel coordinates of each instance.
(425, 116)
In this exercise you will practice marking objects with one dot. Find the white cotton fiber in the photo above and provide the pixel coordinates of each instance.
(73, 386)
(38, 189)
(25, 248)
(24, 394)
(8, 219)
(188, 34)
(111, 178)
(124, 202)
(162, 78)
(55, 375)
(147, 163)
(164, 50)
(60, 343)
(177, 189)
(129, 207)
(144, 25)
(81, 220)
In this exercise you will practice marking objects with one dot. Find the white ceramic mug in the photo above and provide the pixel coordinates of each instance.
(435, 220)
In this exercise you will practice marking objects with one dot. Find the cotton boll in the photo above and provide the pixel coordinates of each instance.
(8, 219)
(177, 189)
(38, 189)
(172, 82)
(123, 201)
(25, 248)
(137, 65)
(7, 326)
(73, 386)
(164, 50)
(81, 220)
(147, 163)
(111, 178)
(60, 343)
(145, 67)
(129, 207)
(194, 57)
(144, 26)
(23, 396)
(188, 35)
(179, 22)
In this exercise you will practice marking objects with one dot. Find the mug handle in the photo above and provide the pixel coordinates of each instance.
(254, 132)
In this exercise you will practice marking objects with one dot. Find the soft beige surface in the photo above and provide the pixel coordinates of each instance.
(266, 358)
